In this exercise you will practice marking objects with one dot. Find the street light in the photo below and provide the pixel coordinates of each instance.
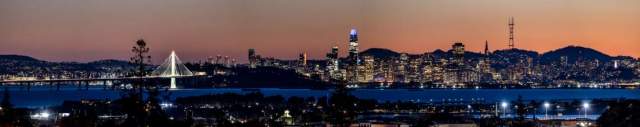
(585, 105)
(504, 108)
(469, 110)
(546, 108)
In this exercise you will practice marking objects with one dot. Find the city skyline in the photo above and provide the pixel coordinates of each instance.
(273, 63)
(87, 31)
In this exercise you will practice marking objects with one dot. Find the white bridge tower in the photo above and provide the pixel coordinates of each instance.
(172, 67)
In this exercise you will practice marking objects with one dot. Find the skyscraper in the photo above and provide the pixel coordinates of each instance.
(367, 69)
(226, 61)
(218, 59)
(252, 58)
(458, 53)
(333, 67)
(302, 63)
(353, 59)
(353, 46)
(302, 59)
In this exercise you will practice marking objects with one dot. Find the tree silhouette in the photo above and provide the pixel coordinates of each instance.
(140, 57)
(10, 116)
(6, 110)
(342, 107)
(521, 109)
(6, 101)
(621, 114)
(140, 112)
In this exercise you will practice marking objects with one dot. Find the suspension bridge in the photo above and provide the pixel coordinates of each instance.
(171, 68)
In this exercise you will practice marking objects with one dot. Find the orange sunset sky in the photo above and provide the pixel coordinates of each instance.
(86, 30)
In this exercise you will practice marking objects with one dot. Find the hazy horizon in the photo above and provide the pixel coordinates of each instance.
(81, 30)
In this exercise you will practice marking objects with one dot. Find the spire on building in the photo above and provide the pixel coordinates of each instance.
(353, 35)
(486, 47)
(353, 45)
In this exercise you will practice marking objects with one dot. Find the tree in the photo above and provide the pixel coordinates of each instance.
(139, 111)
(521, 109)
(10, 116)
(140, 60)
(533, 108)
(6, 109)
(140, 57)
(342, 106)
(6, 101)
(621, 114)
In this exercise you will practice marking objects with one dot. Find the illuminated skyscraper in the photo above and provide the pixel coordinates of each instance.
(458, 53)
(218, 59)
(227, 62)
(302, 59)
(209, 60)
(367, 69)
(252, 58)
(353, 59)
(333, 67)
(302, 64)
(353, 46)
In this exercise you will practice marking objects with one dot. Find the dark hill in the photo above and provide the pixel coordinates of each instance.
(574, 53)
(17, 58)
(380, 53)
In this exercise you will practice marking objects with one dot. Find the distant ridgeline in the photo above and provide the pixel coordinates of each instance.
(572, 53)
(568, 63)
(16, 67)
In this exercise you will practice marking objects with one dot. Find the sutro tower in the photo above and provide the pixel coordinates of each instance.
(511, 23)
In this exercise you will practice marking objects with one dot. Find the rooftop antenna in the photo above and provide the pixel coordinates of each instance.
(511, 42)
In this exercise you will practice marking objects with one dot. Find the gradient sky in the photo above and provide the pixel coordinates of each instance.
(86, 30)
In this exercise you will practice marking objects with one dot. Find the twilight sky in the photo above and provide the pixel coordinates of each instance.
(86, 30)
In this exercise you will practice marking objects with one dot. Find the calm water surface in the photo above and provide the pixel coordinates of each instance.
(42, 97)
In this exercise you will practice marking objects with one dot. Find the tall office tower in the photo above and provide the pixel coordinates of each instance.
(233, 62)
(333, 63)
(302, 63)
(458, 53)
(209, 60)
(414, 70)
(401, 68)
(302, 59)
(226, 61)
(218, 58)
(353, 46)
(368, 69)
(353, 59)
(252, 58)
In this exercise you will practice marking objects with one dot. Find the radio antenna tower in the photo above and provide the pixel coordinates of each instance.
(511, 42)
